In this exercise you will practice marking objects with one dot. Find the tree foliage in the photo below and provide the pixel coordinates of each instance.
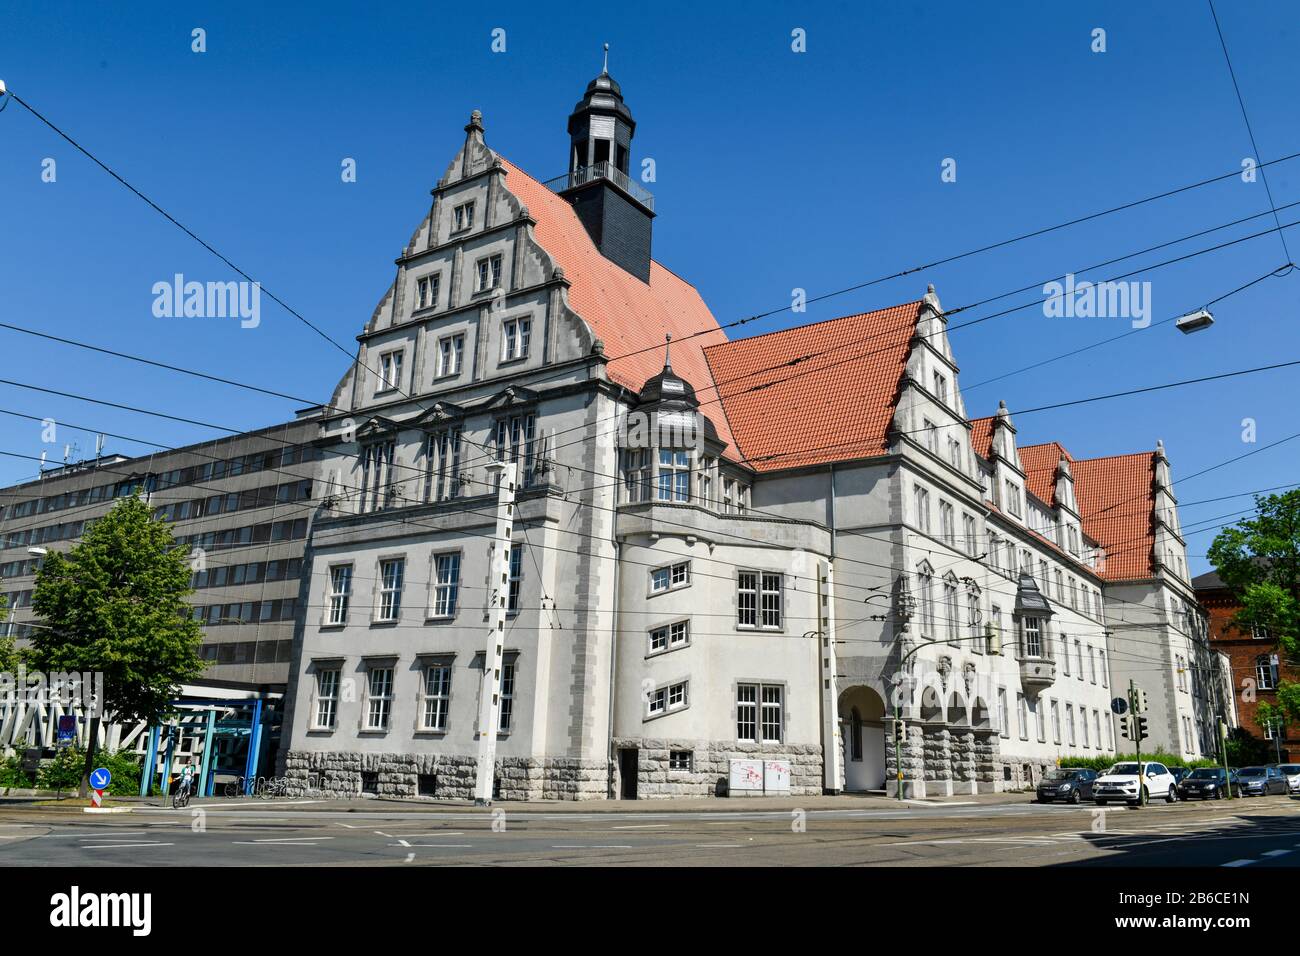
(116, 604)
(1258, 559)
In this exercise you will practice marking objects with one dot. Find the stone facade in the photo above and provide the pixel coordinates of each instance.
(711, 767)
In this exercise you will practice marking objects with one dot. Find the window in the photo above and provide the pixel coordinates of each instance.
(516, 577)
(506, 719)
(670, 577)
(995, 630)
(451, 350)
(327, 698)
(340, 593)
(1065, 654)
(1032, 636)
(973, 619)
(390, 371)
(674, 474)
(925, 597)
(1096, 726)
(1004, 719)
(391, 573)
(941, 388)
(515, 336)
(1069, 724)
(664, 699)
(1083, 725)
(442, 462)
(1011, 492)
(954, 453)
(759, 717)
(1039, 723)
(968, 533)
(379, 698)
(426, 291)
(704, 482)
(1056, 722)
(922, 501)
(377, 485)
(670, 636)
(759, 599)
(1266, 671)
(1092, 664)
(931, 433)
(446, 584)
(636, 475)
(953, 624)
(514, 442)
(946, 525)
(1073, 595)
(463, 217)
(1022, 709)
(681, 759)
(436, 697)
(1060, 590)
(1259, 632)
(489, 273)
(1101, 664)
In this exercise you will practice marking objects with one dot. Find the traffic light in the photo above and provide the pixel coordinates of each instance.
(1142, 728)
(1139, 700)
(1126, 726)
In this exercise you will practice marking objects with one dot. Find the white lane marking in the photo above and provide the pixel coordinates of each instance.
(110, 835)
(1277, 852)
(405, 845)
(256, 843)
(594, 846)
(718, 846)
(1239, 863)
(291, 839)
(643, 826)
(437, 833)
(123, 846)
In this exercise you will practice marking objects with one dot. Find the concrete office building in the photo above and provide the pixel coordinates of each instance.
(719, 550)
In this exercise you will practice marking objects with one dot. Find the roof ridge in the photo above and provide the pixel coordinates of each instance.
(811, 325)
(1128, 454)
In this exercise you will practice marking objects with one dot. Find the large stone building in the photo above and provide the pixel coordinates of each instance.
(718, 550)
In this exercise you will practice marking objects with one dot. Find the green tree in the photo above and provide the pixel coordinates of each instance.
(115, 604)
(1258, 559)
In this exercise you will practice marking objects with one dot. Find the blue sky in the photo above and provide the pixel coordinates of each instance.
(776, 170)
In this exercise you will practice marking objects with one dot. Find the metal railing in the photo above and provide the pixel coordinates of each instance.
(606, 170)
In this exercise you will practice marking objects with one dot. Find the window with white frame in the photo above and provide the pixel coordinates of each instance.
(516, 577)
(681, 760)
(1083, 725)
(1022, 712)
(953, 623)
(636, 475)
(513, 441)
(507, 714)
(1266, 671)
(327, 698)
(1065, 654)
(1259, 632)
(1040, 723)
(1096, 726)
(954, 453)
(1069, 724)
(1060, 590)
(489, 273)
(760, 713)
(377, 482)
(665, 699)
(758, 600)
(925, 597)
(995, 629)
(392, 572)
(947, 526)
(390, 371)
(463, 217)
(670, 636)
(674, 474)
(921, 499)
(1011, 492)
(451, 353)
(930, 431)
(515, 337)
(435, 697)
(941, 388)
(1101, 666)
(1073, 595)
(1031, 636)
(442, 465)
(426, 290)
(446, 584)
(1092, 664)
(1056, 722)
(728, 495)
(379, 698)
(1004, 718)
(1078, 654)
(704, 482)
(340, 595)
(968, 533)
(670, 577)
(974, 627)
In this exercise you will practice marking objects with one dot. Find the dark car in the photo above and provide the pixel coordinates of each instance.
(1179, 774)
(1066, 783)
(1261, 781)
(1208, 783)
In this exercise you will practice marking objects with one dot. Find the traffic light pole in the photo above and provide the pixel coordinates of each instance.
(1223, 749)
(1136, 724)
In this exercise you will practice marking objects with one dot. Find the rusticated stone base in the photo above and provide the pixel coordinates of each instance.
(711, 766)
(445, 777)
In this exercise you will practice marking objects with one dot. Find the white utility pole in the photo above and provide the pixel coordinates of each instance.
(832, 742)
(489, 711)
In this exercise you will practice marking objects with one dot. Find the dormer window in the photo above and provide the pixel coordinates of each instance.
(941, 387)
(1011, 491)
(931, 432)
(489, 273)
(463, 217)
(426, 291)
(390, 371)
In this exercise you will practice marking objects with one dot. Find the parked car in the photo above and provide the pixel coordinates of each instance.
(1261, 781)
(1208, 783)
(1066, 783)
(1292, 773)
(1123, 782)
(1179, 774)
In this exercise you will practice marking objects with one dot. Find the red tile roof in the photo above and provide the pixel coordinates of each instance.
(816, 393)
(1039, 465)
(1116, 501)
(630, 316)
(981, 436)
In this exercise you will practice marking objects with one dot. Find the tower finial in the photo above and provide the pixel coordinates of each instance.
(605, 69)
(668, 359)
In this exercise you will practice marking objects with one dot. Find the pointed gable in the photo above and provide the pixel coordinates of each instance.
(1039, 463)
(1116, 499)
(816, 393)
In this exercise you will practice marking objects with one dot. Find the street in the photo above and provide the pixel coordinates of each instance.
(1254, 833)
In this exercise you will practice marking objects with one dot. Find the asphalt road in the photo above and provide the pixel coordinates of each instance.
(1258, 833)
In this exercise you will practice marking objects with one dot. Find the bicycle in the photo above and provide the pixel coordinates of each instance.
(181, 797)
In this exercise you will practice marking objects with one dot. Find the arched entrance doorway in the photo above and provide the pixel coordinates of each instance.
(862, 728)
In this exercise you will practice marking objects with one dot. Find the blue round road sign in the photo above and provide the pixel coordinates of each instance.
(1119, 705)
(100, 778)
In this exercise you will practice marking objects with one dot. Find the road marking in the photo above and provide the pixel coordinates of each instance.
(291, 839)
(437, 833)
(595, 846)
(261, 843)
(1277, 852)
(718, 846)
(123, 846)
(643, 826)
(1239, 863)
(457, 846)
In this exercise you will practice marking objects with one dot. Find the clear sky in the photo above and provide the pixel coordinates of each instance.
(775, 170)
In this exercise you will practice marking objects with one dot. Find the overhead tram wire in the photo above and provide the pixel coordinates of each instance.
(943, 261)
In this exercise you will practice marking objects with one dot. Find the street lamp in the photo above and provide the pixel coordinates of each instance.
(1194, 322)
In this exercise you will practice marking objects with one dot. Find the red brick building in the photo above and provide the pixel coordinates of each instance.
(1254, 659)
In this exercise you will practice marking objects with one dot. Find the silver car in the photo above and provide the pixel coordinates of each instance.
(1261, 781)
(1292, 773)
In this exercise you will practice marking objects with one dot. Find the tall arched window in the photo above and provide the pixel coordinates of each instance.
(953, 624)
(925, 595)
(855, 735)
